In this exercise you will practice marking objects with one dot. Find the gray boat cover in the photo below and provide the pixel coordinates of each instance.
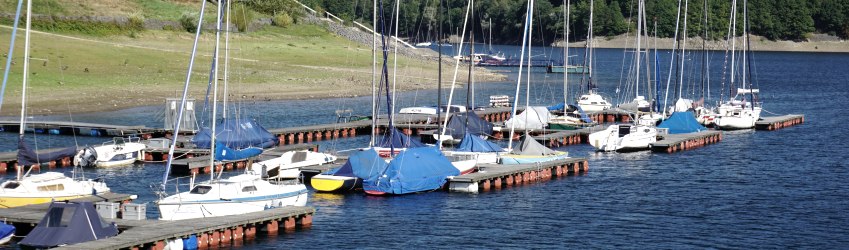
(529, 146)
(69, 223)
(531, 118)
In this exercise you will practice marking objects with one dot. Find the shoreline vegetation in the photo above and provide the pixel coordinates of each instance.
(818, 43)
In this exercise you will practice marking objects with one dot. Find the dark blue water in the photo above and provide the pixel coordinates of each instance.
(754, 189)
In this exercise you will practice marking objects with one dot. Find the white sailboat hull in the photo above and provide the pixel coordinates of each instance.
(611, 139)
(737, 118)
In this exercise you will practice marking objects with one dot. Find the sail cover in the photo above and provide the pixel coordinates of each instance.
(530, 118)
(28, 157)
(457, 125)
(398, 140)
(472, 143)
(366, 165)
(69, 223)
(529, 146)
(682, 123)
(236, 133)
(414, 170)
(224, 153)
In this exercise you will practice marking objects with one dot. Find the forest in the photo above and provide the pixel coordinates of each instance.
(793, 20)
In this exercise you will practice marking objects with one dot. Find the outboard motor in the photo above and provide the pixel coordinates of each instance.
(86, 157)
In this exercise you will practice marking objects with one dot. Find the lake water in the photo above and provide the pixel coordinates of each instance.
(754, 189)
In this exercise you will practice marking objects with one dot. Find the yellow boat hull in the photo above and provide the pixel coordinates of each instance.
(7, 202)
(332, 183)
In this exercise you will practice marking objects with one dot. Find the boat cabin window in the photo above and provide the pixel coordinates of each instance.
(249, 189)
(55, 187)
(11, 185)
(594, 102)
(200, 189)
(60, 216)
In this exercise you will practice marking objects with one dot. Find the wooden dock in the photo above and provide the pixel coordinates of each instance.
(152, 234)
(779, 122)
(559, 138)
(671, 143)
(496, 176)
(80, 128)
(9, 161)
(610, 115)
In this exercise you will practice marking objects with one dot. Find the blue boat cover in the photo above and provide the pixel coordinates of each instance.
(28, 157)
(6, 230)
(682, 123)
(366, 165)
(398, 140)
(69, 223)
(584, 117)
(236, 133)
(414, 170)
(457, 125)
(472, 143)
(224, 153)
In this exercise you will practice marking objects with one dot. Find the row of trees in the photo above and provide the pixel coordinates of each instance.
(773, 19)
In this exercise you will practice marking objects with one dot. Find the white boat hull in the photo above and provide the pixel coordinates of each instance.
(610, 139)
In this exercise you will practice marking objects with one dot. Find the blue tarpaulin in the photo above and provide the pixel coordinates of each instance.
(414, 170)
(682, 123)
(237, 134)
(473, 143)
(467, 122)
(398, 140)
(366, 165)
(69, 223)
(224, 153)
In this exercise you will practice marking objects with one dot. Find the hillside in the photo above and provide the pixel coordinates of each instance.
(80, 71)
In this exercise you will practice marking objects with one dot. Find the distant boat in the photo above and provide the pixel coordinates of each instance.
(424, 44)
(569, 69)
(624, 138)
(118, 152)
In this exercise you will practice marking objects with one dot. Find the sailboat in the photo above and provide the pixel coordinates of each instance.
(744, 109)
(529, 151)
(28, 188)
(591, 101)
(243, 193)
(573, 116)
(628, 137)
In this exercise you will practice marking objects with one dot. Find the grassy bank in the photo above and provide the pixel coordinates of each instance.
(86, 73)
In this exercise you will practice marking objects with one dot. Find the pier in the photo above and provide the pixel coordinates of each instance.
(152, 234)
(80, 128)
(778, 122)
(671, 143)
(496, 176)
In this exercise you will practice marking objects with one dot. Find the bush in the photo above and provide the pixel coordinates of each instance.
(135, 21)
(282, 20)
(189, 21)
(242, 17)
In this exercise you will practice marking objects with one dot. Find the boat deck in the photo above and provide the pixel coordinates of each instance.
(496, 176)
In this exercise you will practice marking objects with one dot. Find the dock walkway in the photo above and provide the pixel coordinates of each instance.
(671, 143)
(779, 122)
(495, 176)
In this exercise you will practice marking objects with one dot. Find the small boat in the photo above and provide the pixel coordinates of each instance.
(7, 231)
(592, 101)
(573, 118)
(624, 138)
(67, 223)
(569, 69)
(531, 151)
(120, 151)
(288, 164)
(432, 110)
(239, 194)
(532, 118)
(46, 187)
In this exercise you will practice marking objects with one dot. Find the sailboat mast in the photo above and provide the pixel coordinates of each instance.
(748, 54)
(470, 79)
(519, 78)
(733, 37)
(672, 60)
(373, 73)
(26, 71)
(456, 70)
(638, 51)
(590, 51)
(439, 74)
(705, 76)
(11, 50)
(528, 82)
(226, 58)
(566, 13)
(395, 45)
(682, 55)
(214, 93)
(183, 100)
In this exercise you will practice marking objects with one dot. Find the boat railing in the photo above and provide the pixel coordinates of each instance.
(174, 186)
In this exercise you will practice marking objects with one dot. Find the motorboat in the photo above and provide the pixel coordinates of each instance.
(46, 187)
(120, 151)
(623, 138)
(592, 101)
(288, 164)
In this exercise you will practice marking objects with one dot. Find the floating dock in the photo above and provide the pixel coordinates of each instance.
(779, 122)
(559, 138)
(152, 234)
(496, 176)
(80, 128)
(610, 115)
(671, 143)
(9, 161)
